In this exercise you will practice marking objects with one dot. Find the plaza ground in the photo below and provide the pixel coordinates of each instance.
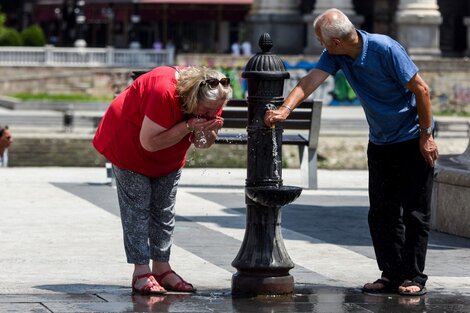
(61, 245)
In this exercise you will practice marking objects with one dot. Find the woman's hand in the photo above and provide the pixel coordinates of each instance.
(205, 131)
(201, 124)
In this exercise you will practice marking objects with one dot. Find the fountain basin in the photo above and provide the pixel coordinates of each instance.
(273, 196)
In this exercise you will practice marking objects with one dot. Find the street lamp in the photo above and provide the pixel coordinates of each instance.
(134, 31)
(80, 24)
(108, 12)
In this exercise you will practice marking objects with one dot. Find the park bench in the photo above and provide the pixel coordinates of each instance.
(302, 129)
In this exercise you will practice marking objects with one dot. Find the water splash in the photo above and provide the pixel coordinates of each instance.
(202, 139)
(275, 154)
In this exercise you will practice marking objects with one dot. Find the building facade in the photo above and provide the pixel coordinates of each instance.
(424, 27)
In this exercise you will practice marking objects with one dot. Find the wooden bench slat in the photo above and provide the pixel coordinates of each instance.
(235, 123)
(229, 113)
(293, 124)
(295, 139)
(231, 138)
(296, 124)
(237, 103)
(244, 103)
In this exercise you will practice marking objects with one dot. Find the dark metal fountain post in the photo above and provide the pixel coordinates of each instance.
(263, 263)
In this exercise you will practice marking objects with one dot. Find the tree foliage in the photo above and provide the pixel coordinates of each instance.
(33, 36)
(8, 36)
(30, 36)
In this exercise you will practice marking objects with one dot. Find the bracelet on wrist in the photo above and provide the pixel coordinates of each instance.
(286, 106)
(188, 128)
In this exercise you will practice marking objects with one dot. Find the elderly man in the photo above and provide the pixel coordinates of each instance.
(401, 150)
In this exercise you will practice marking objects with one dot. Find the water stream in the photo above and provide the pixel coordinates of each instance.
(275, 154)
(276, 159)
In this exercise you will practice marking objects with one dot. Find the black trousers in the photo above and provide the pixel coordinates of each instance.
(400, 186)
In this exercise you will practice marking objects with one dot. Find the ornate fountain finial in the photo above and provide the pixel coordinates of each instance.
(264, 63)
(265, 42)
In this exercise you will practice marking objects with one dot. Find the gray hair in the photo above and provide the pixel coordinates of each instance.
(192, 92)
(334, 24)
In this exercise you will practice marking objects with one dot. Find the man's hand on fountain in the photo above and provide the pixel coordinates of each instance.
(271, 117)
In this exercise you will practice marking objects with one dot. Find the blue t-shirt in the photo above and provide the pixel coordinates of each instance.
(378, 76)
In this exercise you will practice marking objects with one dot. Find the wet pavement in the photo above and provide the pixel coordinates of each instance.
(314, 299)
(330, 301)
(61, 245)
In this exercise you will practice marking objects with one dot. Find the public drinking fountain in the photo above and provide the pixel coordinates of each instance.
(263, 263)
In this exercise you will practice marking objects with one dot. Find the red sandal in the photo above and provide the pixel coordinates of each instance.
(147, 289)
(182, 286)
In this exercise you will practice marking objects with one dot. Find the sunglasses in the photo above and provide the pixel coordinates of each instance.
(214, 82)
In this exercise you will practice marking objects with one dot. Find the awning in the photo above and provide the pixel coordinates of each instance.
(241, 2)
(231, 2)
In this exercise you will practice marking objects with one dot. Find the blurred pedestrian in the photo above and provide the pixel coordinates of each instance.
(146, 133)
(235, 48)
(157, 45)
(246, 48)
(6, 139)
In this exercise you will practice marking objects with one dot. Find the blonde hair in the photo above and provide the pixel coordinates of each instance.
(193, 94)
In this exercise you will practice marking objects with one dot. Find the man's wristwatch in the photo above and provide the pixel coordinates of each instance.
(426, 131)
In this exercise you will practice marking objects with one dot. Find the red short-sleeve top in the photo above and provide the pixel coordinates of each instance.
(153, 94)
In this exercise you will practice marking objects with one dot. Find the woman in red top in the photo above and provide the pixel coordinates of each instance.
(145, 133)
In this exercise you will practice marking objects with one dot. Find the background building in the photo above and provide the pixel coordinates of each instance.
(189, 25)
(434, 27)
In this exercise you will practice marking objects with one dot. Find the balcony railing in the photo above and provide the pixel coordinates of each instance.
(84, 57)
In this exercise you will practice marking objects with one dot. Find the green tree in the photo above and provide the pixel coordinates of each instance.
(8, 36)
(33, 36)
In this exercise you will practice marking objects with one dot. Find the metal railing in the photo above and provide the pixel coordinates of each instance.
(84, 57)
